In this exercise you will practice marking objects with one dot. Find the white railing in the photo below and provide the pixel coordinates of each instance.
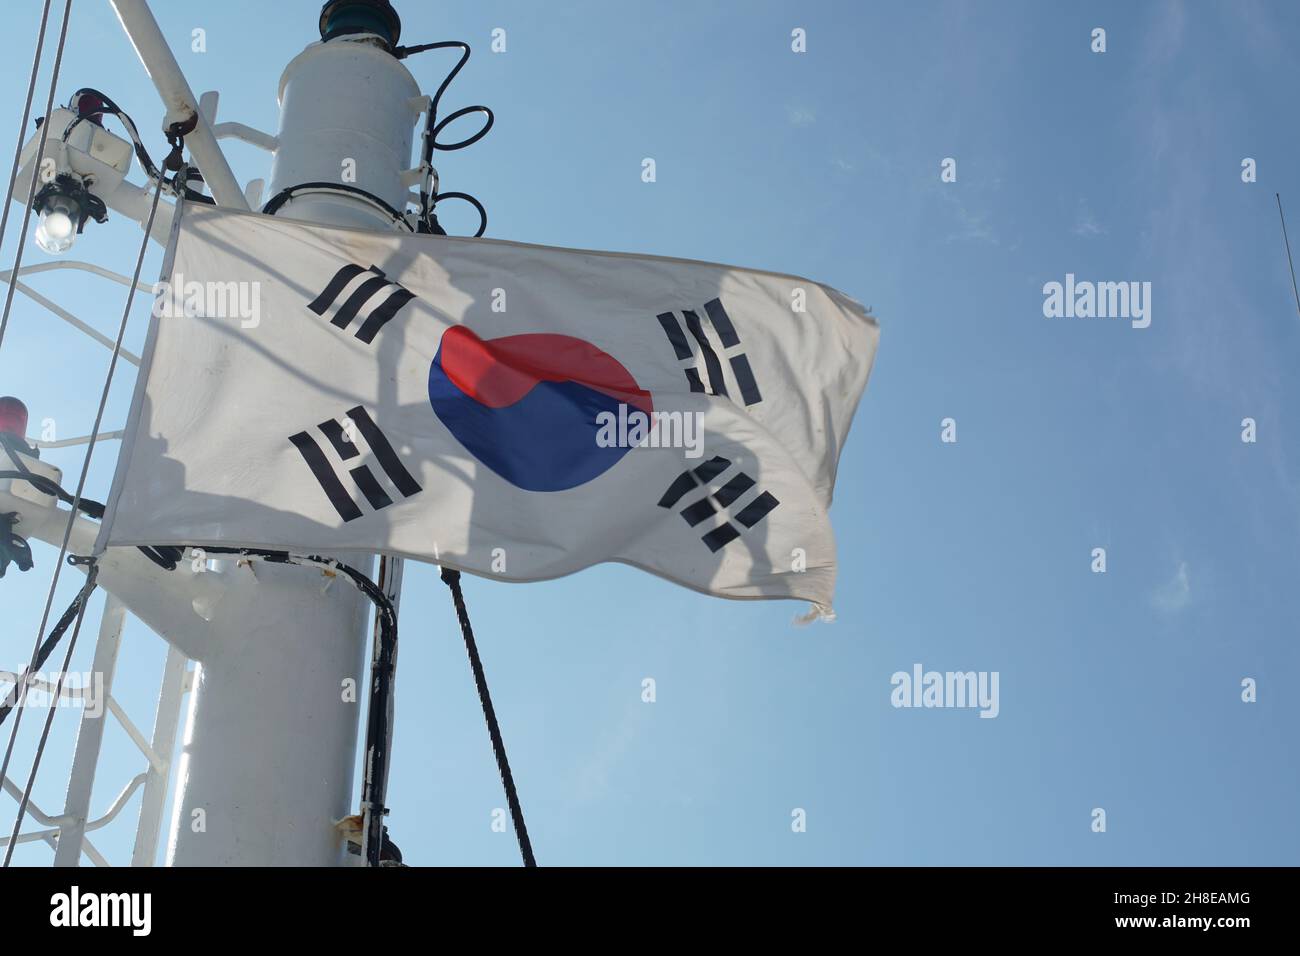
(66, 832)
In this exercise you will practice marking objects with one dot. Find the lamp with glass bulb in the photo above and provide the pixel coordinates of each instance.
(64, 205)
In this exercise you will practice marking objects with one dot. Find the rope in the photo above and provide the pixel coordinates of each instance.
(72, 513)
(74, 611)
(451, 577)
(27, 115)
(31, 189)
(1289, 260)
(49, 716)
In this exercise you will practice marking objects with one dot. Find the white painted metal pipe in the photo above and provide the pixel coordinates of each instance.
(134, 201)
(166, 721)
(150, 45)
(269, 749)
(90, 735)
(267, 761)
(246, 134)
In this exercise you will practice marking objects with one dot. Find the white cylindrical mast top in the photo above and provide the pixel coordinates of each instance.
(348, 110)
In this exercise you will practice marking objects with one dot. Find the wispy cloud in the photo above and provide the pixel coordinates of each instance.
(1174, 107)
(1165, 42)
(593, 778)
(1173, 595)
(800, 116)
(1085, 223)
(1261, 31)
(971, 225)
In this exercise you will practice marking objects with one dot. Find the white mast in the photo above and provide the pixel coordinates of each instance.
(268, 760)
(270, 741)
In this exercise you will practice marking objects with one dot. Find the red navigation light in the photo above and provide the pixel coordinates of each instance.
(13, 418)
(90, 106)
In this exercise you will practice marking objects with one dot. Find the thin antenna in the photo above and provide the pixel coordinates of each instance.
(1290, 261)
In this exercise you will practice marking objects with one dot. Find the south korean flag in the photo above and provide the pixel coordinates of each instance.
(516, 411)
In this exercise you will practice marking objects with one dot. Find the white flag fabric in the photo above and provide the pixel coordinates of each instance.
(511, 410)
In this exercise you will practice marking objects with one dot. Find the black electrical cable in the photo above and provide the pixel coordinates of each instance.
(428, 219)
(106, 105)
(482, 213)
(452, 579)
(46, 486)
(382, 669)
(279, 199)
(166, 557)
(178, 185)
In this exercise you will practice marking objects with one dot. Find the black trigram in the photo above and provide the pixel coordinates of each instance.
(726, 496)
(378, 316)
(730, 341)
(339, 438)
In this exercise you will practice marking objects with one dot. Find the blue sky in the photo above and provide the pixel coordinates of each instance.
(1119, 690)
